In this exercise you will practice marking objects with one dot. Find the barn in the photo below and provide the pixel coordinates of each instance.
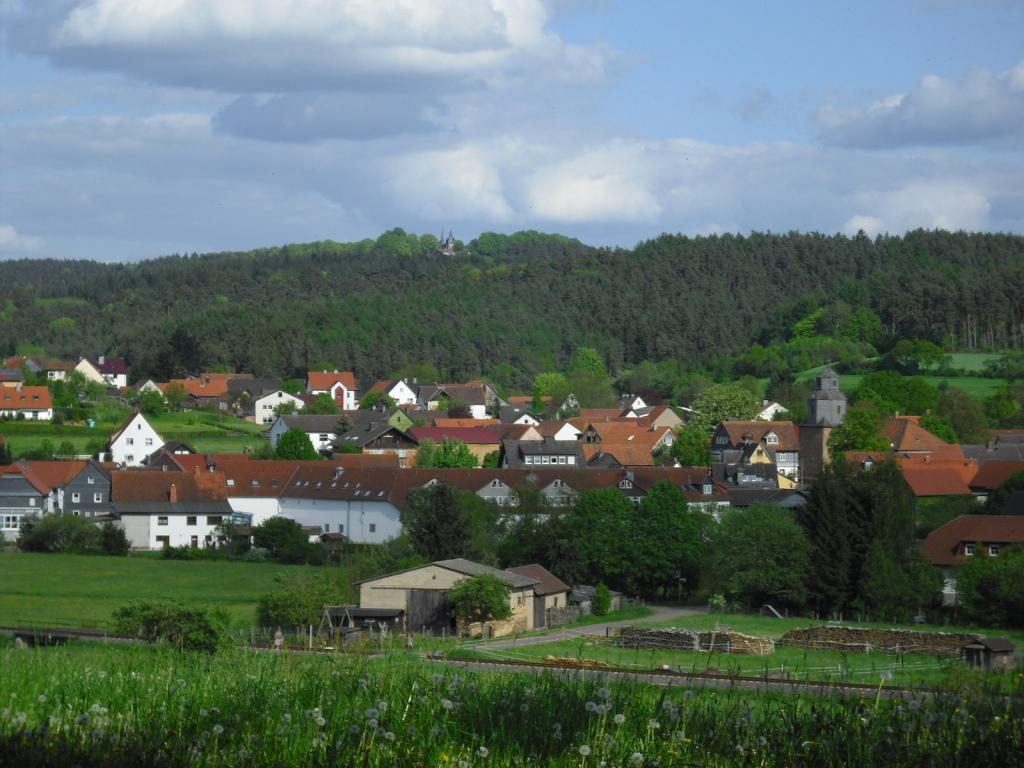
(423, 594)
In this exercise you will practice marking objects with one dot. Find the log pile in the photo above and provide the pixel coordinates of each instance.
(866, 639)
(716, 641)
(563, 661)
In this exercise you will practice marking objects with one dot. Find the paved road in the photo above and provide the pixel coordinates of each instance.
(660, 613)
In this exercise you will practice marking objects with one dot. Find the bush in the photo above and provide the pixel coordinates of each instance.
(287, 542)
(60, 533)
(602, 601)
(187, 629)
(298, 603)
(113, 540)
(481, 598)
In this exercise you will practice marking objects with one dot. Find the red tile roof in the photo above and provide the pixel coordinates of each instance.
(25, 399)
(904, 433)
(992, 474)
(944, 545)
(57, 473)
(446, 423)
(203, 387)
(155, 485)
(324, 380)
(935, 481)
(738, 431)
(548, 583)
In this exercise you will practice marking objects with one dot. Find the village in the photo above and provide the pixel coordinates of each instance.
(361, 464)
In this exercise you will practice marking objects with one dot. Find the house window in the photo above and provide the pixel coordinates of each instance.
(721, 440)
(190, 520)
(572, 459)
(373, 527)
(969, 550)
(993, 550)
(76, 497)
(327, 527)
(130, 441)
(149, 441)
(91, 480)
(625, 484)
(341, 528)
(772, 439)
(12, 522)
(194, 542)
(545, 460)
(97, 498)
(561, 459)
(162, 520)
(231, 482)
(214, 519)
(129, 458)
(163, 541)
(323, 438)
(31, 502)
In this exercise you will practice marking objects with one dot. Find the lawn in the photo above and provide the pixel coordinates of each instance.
(975, 386)
(798, 663)
(206, 432)
(85, 591)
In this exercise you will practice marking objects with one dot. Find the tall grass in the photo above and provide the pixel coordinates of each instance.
(111, 707)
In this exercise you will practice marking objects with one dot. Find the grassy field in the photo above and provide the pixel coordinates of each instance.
(975, 386)
(85, 591)
(126, 706)
(204, 431)
(870, 668)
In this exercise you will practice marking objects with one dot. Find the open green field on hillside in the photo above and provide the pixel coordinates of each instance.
(94, 705)
(971, 361)
(85, 591)
(975, 386)
(206, 432)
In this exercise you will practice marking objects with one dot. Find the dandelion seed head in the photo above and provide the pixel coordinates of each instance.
(354, 729)
(371, 714)
(637, 758)
(389, 735)
(483, 752)
(584, 750)
(371, 723)
(604, 693)
(218, 729)
(619, 719)
(448, 704)
(591, 706)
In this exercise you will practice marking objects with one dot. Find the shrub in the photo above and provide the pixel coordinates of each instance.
(60, 533)
(187, 629)
(481, 598)
(113, 540)
(299, 601)
(602, 601)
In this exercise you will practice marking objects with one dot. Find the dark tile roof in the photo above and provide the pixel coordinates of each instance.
(547, 582)
(942, 547)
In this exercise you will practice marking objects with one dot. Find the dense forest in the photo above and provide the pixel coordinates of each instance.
(510, 306)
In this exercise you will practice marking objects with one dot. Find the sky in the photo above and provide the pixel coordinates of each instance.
(131, 129)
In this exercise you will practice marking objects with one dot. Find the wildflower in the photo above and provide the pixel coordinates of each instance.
(371, 714)
(448, 704)
(218, 729)
(243, 754)
(410, 731)
(653, 724)
(604, 693)
(438, 679)
(203, 713)
(584, 750)
(371, 723)
(591, 706)
(42, 698)
(483, 752)
(287, 717)
(382, 706)
(619, 719)
(82, 719)
(637, 758)
(463, 764)
(354, 730)
(389, 735)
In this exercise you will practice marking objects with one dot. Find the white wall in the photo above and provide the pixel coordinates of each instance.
(261, 508)
(135, 443)
(352, 518)
(263, 408)
(143, 531)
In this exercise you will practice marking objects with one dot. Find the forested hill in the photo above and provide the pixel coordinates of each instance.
(514, 304)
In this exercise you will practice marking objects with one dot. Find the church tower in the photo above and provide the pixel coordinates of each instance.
(826, 409)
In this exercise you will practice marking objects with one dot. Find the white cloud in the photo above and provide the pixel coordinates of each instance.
(454, 184)
(603, 183)
(13, 242)
(249, 46)
(952, 205)
(981, 107)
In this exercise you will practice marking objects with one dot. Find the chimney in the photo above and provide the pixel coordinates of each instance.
(172, 494)
(195, 471)
(338, 472)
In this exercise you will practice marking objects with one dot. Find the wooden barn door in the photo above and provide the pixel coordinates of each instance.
(428, 608)
(539, 614)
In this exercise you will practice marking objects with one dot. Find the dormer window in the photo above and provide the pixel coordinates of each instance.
(993, 550)
(707, 489)
(772, 439)
(969, 550)
(625, 484)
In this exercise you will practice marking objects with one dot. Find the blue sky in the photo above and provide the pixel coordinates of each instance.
(131, 130)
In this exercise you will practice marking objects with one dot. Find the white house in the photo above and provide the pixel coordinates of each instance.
(322, 431)
(263, 407)
(30, 403)
(134, 441)
(399, 390)
(769, 410)
(359, 506)
(109, 371)
(340, 385)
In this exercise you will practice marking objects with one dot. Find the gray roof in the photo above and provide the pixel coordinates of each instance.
(997, 644)
(363, 435)
(469, 568)
(167, 508)
(312, 423)
(1002, 451)
(255, 387)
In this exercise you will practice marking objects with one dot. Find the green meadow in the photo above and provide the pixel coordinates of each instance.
(82, 590)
